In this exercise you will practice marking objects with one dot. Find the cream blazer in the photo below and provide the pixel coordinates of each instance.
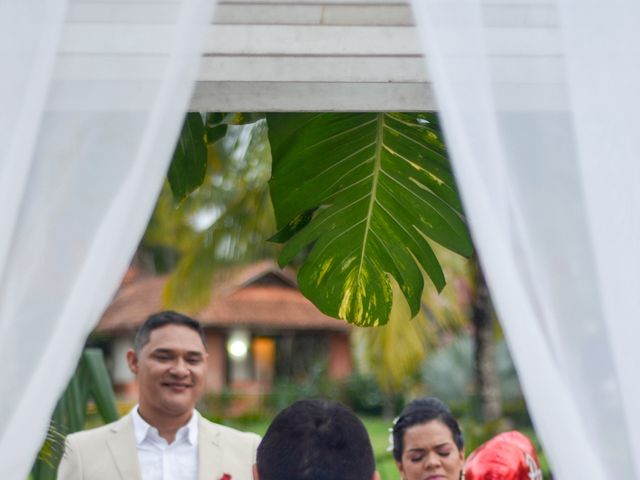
(110, 453)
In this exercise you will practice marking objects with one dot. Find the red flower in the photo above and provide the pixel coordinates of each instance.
(225, 476)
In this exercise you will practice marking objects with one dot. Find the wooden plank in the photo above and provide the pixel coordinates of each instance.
(299, 55)
(514, 70)
(257, 12)
(503, 69)
(400, 15)
(279, 14)
(245, 40)
(81, 96)
(248, 96)
(310, 96)
(265, 69)
(243, 14)
(353, 97)
(294, 40)
(319, 2)
(314, 69)
(261, 14)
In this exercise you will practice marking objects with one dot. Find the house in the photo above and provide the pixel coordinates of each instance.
(259, 328)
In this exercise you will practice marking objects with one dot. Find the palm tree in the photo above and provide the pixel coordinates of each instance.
(394, 352)
(487, 383)
(226, 221)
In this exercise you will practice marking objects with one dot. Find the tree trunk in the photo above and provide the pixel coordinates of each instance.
(486, 372)
(388, 412)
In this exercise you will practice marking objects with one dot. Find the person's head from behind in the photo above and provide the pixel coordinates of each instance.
(169, 359)
(428, 442)
(315, 440)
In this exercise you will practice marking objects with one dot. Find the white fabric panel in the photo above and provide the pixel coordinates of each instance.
(78, 182)
(547, 169)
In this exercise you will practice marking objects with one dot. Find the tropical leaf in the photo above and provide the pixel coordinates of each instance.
(89, 382)
(100, 388)
(377, 185)
(243, 118)
(215, 128)
(236, 195)
(236, 237)
(189, 163)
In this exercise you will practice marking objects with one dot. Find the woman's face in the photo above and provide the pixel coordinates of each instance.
(429, 453)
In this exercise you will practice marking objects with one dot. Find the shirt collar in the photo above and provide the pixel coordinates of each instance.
(141, 427)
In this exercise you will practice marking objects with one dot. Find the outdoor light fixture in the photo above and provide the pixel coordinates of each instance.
(238, 344)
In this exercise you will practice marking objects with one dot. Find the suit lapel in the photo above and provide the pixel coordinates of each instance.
(124, 450)
(210, 452)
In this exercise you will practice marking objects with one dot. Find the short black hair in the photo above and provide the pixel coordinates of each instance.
(316, 440)
(160, 319)
(423, 410)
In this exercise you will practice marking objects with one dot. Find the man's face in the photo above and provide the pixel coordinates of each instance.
(171, 370)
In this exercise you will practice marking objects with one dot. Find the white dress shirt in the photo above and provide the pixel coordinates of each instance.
(160, 460)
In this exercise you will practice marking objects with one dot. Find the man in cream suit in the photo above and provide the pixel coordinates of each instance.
(163, 437)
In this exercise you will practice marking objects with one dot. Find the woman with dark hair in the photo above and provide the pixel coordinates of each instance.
(427, 443)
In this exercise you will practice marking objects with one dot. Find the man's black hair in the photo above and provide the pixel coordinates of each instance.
(162, 319)
(316, 440)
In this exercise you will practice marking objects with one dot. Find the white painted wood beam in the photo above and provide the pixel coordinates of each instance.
(302, 55)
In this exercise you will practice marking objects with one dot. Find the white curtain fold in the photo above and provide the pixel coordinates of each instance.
(538, 101)
(87, 130)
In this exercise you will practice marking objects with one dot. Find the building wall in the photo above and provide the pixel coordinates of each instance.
(124, 381)
(339, 356)
(217, 366)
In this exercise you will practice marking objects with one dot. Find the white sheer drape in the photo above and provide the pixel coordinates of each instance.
(90, 112)
(540, 100)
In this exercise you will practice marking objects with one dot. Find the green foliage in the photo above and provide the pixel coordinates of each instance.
(316, 384)
(243, 118)
(189, 162)
(215, 129)
(225, 222)
(365, 195)
(362, 393)
(448, 372)
(394, 352)
(235, 195)
(89, 383)
(364, 191)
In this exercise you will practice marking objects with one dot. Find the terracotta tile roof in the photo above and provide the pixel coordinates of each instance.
(259, 296)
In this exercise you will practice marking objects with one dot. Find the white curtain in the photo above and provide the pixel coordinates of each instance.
(92, 98)
(540, 101)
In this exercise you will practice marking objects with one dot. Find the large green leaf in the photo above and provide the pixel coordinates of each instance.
(378, 186)
(99, 384)
(189, 163)
(90, 381)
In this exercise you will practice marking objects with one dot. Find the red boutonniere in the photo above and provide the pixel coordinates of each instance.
(225, 476)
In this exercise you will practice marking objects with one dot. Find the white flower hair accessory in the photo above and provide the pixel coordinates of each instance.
(393, 424)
